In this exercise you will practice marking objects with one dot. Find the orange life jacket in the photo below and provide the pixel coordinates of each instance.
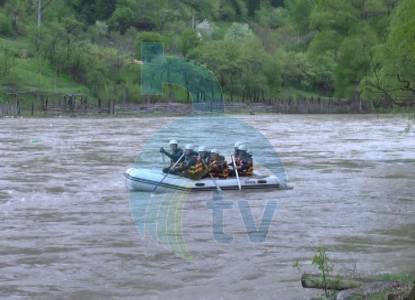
(219, 168)
(247, 166)
(196, 169)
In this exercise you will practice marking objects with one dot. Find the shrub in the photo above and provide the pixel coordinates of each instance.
(5, 25)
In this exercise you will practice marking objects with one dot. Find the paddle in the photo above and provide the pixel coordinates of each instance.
(211, 176)
(236, 172)
(155, 188)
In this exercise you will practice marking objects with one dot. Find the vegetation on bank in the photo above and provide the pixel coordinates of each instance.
(392, 286)
(257, 49)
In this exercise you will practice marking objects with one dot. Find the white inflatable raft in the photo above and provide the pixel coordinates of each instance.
(146, 179)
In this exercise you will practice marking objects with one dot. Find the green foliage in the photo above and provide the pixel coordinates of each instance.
(272, 17)
(7, 60)
(238, 32)
(146, 37)
(189, 40)
(297, 265)
(121, 19)
(353, 49)
(5, 25)
(392, 78)
(322, 262)
(301, 11)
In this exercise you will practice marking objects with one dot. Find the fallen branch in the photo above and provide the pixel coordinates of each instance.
(312, 281)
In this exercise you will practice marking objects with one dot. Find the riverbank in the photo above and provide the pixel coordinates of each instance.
(388, 286)
(72, 107)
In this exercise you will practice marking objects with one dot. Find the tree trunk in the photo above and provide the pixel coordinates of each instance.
(171, 95)
(312, 281)
(39, 13)
(148, 99)
(358, 98)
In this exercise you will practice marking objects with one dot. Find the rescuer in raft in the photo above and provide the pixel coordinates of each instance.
(188, 164)
(202, 163)
(174, 156)
(244, 162)
(217, 164)
(235, 153)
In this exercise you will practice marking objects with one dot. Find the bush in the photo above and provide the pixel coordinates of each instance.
(5, 25)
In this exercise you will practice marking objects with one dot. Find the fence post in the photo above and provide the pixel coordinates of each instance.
(32, 107)
(18, 105)
(113, 107)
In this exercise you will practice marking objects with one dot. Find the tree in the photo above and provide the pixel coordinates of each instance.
(272, 17)
(121, 19)
(238, 32)
(147, 37)
(392, 79)
(16, 9)
(7, 61)
(301, 15)
(188, 41)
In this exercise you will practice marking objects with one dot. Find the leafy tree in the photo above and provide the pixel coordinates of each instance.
(17, 10)
(272, 17)
(238, 32)
(392, 78)
(189, 40)
(121, 19)
(7, 56)
(5, 25)
(146, 37)
(301, 11)
(354, 64)
(252, 6)
(296, 72)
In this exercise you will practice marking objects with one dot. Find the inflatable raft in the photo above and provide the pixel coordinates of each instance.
(140, 179)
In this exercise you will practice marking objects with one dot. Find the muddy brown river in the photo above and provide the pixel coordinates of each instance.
(67, 230)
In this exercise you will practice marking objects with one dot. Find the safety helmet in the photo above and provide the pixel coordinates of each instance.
(237, 144)
(202, 149)
(214, 151)
(189, 147)
(243, 148)
(173, 142)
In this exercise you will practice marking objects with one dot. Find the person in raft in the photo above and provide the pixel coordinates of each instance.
(176, 153)
(244, 163)
(188, 165)
(218, 165)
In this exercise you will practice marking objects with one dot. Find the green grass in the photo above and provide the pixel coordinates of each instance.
(32, 74)
(406, 277)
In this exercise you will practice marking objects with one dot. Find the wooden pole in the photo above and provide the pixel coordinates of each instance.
(32, 107)
(113, 107)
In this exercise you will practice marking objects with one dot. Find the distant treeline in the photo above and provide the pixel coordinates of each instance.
(257, 49)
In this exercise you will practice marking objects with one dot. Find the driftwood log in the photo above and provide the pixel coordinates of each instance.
(312, 281)
(350, 288)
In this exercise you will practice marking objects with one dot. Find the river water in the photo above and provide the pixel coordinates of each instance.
(67, 230)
